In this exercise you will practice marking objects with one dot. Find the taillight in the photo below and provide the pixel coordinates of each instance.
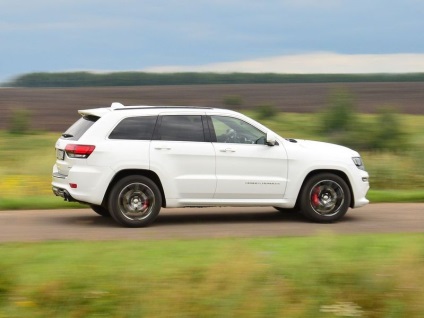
(79, 151)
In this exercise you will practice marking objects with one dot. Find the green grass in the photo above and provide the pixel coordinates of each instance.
(379, 196)
(37, 202)
(31, 154)
(374, 276)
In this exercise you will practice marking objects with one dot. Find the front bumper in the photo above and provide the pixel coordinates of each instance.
(360, 187)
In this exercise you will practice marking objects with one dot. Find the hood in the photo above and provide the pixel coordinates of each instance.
(324, 147)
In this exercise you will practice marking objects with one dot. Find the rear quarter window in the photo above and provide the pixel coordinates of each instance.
(135, 128)
(79, 128)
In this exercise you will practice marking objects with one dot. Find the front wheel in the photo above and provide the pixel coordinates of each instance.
(325, 198)
(135, 201)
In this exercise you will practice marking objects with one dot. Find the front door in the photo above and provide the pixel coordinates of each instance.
(246, 168)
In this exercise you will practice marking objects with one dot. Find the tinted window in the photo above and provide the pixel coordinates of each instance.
(181, 128)
(79, 127)
(233, 130)
(135, 128)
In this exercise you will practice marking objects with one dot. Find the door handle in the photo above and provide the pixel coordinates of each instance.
(227, 150)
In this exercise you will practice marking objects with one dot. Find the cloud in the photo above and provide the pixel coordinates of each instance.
(313, 63)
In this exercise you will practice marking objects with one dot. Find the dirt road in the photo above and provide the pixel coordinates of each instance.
(44, 225)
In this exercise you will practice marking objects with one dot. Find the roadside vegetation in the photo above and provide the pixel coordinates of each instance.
(321, 276)
(391, 144)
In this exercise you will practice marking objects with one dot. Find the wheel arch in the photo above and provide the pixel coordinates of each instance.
(130, 172)
(339, 173)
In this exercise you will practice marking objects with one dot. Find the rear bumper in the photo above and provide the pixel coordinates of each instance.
(89, 184)
(63, 193)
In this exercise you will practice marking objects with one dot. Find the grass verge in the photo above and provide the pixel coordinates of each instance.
(37, 203)
(322, 276)
(380, 196)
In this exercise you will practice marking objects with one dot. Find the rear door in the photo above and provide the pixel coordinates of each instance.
(183, 156)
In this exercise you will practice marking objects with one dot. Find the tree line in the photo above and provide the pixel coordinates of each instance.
(87, 79)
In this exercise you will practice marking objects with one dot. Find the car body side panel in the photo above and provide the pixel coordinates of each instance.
(186, 169)
(250, 171)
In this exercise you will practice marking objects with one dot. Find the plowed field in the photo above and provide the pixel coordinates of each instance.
(55, 109)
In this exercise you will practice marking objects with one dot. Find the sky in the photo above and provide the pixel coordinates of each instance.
(281, 36)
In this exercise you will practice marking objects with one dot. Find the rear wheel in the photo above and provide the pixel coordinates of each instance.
(135, 201)
(100, 210)
(325, 198)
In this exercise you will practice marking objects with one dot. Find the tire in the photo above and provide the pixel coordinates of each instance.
(100, 210)
(325, 198)
(135, 201)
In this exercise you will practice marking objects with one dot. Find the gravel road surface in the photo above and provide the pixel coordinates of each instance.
(195, 223)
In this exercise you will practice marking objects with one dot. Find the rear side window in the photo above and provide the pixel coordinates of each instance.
(135, 128)
(181, 128)
(79, 128)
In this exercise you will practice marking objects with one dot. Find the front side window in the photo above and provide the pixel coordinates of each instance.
(135, 128)
(181, 128)
(234, 130)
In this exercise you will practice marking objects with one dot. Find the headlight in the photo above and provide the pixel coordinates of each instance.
(358, 162)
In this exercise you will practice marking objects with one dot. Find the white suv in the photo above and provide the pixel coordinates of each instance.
(129, 162)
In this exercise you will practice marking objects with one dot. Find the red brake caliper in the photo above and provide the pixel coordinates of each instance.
(314, 198)
(145, 204)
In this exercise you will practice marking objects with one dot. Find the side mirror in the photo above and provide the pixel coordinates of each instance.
(271, 139)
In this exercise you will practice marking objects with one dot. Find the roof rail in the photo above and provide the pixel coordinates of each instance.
(116, 105)
(162, 107)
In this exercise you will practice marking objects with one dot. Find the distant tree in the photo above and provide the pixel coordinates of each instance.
(266, 111)
(340, 115)
(85, 79)
(233, 101)
(20, 121)
(340, 123)
(389, 134)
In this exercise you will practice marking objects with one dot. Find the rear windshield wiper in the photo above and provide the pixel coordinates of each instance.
(65, 135)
